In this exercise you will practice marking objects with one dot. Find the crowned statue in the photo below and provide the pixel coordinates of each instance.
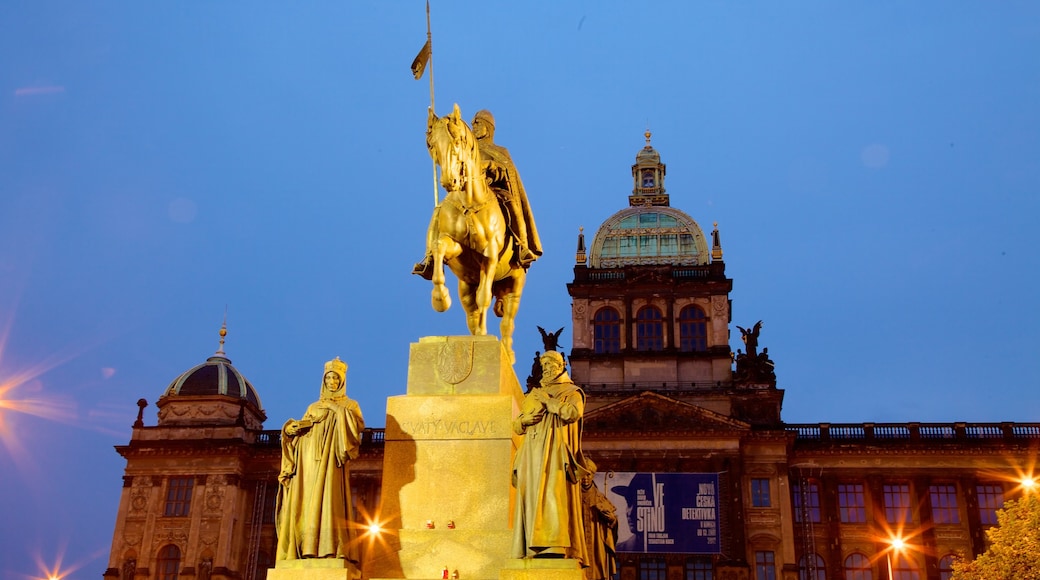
(314, 516)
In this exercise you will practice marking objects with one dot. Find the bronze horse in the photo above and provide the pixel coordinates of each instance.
(468, 232)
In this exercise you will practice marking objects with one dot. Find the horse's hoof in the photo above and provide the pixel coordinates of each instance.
(441, 299)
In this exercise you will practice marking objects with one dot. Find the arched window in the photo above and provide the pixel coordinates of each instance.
(698, 569)
(649, 329)
(169, 562)
(857, 567)
(693, 330)
(946, 567)
(903, 569)
(606, 331)
(811, 567)
(652, 569)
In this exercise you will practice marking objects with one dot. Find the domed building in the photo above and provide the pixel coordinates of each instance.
(729, 490)
(200, 486)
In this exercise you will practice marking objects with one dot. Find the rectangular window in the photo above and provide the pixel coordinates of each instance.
(807, 502)
(628, 246)
(765, 566)
(178, 496)
(851, 504)
(698, 569)
(270, 503)
(897, 503)
(991, 499)
(760, 493)
(647, 245)
(944, 504)
(669, 244)
(652, 569)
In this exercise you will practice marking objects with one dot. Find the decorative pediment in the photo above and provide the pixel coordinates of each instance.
(653, 412)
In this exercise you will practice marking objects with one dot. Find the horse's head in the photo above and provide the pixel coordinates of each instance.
(453, 147)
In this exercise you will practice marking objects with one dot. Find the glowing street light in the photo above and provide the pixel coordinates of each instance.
(896, 544)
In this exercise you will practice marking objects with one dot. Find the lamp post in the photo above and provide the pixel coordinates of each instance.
(896, 544)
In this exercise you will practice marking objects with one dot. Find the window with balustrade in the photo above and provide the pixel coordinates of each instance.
(693, 329)
(168, 563)
(606, 331)
(943, 500)
(806, 502)
(903, 568)
(698, 569)
(760, 492)
(178, 496)
(851, 503)
(811, 567)
(765, 566)
(991, 499)
(649, 329)
(897, 502)
(857, 567)
(946, 567)
(652, 569)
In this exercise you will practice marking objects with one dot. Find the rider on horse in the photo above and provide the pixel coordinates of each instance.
(501, 175)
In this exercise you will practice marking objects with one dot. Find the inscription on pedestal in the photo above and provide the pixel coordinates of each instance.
(452, 427)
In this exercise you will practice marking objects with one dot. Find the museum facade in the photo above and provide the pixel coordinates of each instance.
(668, 403)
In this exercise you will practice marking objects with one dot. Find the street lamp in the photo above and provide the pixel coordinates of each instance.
(897, 545)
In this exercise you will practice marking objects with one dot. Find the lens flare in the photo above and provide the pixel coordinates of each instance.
(58, 570)
(22, 393)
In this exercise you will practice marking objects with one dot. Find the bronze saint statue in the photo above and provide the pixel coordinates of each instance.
(314, 516)
(548, 467)
(601, 528)
(469, 231)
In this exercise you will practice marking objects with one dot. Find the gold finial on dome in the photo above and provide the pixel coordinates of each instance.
(337, 366)
(223, 333)
(647, 135)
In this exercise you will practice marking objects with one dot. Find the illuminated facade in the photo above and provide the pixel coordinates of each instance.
(651, 346)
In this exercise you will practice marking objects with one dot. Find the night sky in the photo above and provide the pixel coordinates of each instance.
(874, 168)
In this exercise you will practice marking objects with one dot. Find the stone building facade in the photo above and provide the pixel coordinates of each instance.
(652, 347)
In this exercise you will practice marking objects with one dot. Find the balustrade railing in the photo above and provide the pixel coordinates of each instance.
(913, 431)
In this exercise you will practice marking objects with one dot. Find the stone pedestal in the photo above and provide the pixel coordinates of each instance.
(541, 569)
(313, 569)
(447, 462)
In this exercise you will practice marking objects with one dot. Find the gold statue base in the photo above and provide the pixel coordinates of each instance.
(313, 569)
(541, 569)
(448, 454)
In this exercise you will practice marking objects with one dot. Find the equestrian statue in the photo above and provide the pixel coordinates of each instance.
(483, 228)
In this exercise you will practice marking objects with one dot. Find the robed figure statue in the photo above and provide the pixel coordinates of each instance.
(601, 528)
(548, 467)
(314, 516)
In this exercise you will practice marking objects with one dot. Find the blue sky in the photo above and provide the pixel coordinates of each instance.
(874, 168)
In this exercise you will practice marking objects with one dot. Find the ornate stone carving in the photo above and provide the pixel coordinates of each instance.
(455, 362)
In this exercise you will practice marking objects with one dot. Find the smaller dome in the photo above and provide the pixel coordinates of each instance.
(216, 376)
(648, 155)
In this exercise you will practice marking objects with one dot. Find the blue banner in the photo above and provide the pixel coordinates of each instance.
(665, 512)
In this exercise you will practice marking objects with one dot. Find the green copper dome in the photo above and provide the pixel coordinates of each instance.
(649, 235)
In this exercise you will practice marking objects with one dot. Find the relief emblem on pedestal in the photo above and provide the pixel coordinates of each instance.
(455, 362)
